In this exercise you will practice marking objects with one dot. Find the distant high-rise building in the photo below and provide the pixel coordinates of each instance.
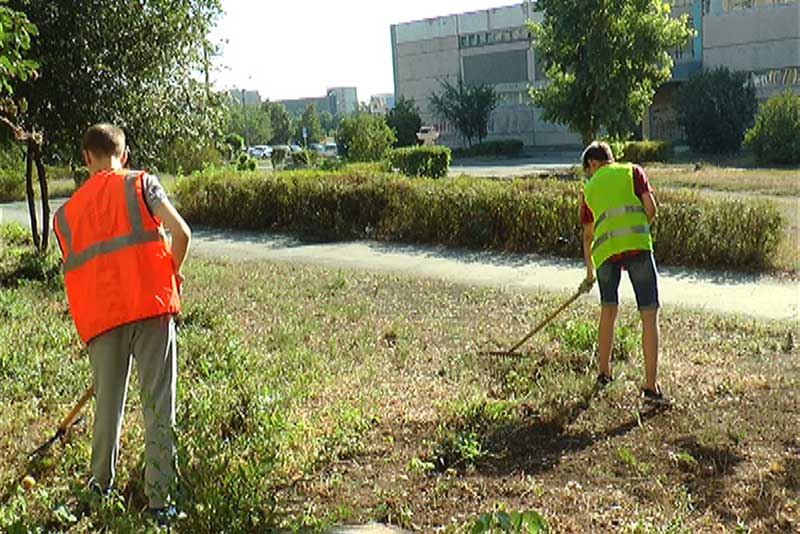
(342, 100)
(380, 104)
(245, 97)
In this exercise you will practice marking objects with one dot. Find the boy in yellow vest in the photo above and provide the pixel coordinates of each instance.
(617, 209)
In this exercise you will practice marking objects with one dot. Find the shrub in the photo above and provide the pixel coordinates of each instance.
(279, 155)
(235, 144)
(305, 158)
(245, 163)
(12, 185)
(364, 138)
(535, 215)
(775, 138)
(715, 108)
(511, 148)
(430, 161)
(644, 151)
(185, 156)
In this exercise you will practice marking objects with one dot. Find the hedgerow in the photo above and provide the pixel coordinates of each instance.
(428, 161)
(531, 215)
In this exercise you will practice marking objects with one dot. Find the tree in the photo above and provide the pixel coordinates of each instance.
(328, 122)
(132, 63)
(15, 42)
(605, 59)
(775, 138)
(467, 107)
(404, 119)
(252, 123)
(364, 137)
(715, 108)
(310, 121)
(282, 123)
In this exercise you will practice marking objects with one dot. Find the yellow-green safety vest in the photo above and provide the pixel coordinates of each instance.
(620, 222)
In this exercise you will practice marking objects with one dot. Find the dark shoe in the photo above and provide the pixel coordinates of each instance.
(603, 380)
(655, 398)
(166, 517)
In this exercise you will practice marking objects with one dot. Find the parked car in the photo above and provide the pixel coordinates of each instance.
(317, 147)
(296, 148)
(331, 150)
(260, 151)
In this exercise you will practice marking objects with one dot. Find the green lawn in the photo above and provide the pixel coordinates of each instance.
(309, 397)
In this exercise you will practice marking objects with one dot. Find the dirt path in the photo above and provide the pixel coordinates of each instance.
(747, 294)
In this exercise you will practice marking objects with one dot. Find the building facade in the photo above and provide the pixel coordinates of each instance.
(342, 100)
(245, 97)
(381, 104)
(759, 37)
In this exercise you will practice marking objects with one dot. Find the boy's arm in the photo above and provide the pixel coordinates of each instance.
(588, 237)
(178, 229)
(649, 203)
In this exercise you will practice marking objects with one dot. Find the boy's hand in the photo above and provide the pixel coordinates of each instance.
(587, 284)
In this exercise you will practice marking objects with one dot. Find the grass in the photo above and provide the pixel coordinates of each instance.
(309, 397)
(777, 182)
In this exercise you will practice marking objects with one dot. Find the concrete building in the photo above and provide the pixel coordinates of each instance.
(245, 97)
(760, 37)
(380, 104)
(342, 100)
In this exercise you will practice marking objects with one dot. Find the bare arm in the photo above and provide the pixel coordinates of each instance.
(588, 237)
(178, 229)
(649, 202)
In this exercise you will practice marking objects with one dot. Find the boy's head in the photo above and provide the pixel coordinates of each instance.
(596, 155)
(104, 146)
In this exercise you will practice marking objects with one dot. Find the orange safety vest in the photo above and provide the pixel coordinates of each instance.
(117, 267)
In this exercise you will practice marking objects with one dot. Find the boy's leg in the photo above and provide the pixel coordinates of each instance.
(650, 347)
(608, 316)
(608, 276)
(644, 277)
(110, 357)
(155, 350)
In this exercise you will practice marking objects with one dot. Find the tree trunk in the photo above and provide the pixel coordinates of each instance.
(41, 173)
(29, 192)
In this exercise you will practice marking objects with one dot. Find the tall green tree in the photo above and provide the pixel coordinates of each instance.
(138, 64)
(465, 106)
(715, 108)
(281, 121)
(310, 121)
(404, 119)
(252, 123)
(364, 137)
(605, 60)
(328, 122)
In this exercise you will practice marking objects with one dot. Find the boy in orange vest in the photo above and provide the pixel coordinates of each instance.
(123, 281)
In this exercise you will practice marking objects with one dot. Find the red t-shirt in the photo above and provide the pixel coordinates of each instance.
(641, 185)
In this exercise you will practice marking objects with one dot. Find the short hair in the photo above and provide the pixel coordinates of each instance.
(598, 151)
(104, 140)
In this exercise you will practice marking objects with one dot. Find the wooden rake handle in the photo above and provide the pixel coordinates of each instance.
(70, 417)
(547, 320)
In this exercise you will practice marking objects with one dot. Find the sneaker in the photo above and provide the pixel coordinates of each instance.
(603, 380)
(655, 398)
(165, 517)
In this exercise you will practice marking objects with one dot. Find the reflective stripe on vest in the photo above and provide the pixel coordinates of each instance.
(621, 232)
(137, 236)
(617, 212)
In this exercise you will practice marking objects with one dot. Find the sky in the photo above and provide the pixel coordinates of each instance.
(296, 49)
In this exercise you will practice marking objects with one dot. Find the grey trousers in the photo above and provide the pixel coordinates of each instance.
(152, 342)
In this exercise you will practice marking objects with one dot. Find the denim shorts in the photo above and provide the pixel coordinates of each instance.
(641, 269)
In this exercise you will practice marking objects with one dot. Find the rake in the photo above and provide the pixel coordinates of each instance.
(67, 422)
(585, 287)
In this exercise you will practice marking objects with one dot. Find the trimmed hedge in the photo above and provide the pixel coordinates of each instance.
(533, 215)
(509, 149)
(429, 161)
(646, 151)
